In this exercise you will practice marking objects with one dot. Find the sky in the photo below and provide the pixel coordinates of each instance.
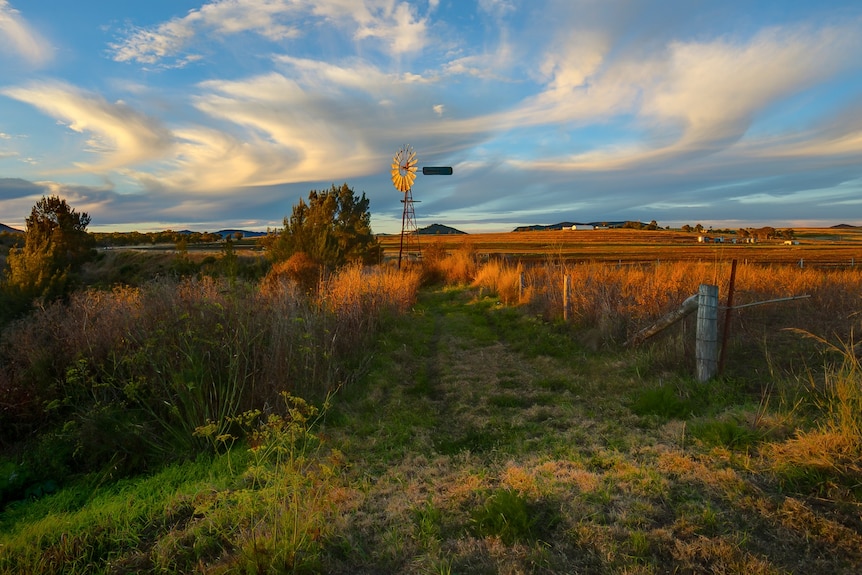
(223, 114)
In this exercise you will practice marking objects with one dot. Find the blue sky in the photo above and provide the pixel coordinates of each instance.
(175, 114)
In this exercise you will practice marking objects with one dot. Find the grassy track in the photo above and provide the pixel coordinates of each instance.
(486, 442)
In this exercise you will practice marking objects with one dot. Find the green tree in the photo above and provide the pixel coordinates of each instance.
(56, 245)
(332, 228)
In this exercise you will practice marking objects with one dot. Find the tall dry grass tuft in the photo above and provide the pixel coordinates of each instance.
(502, 279)
(457, 267)
(359, 296)
(834, 447)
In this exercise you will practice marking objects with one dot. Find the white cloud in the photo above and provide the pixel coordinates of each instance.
(17, 36)
(399, 28)
(395, 24)
(497, 7)
(354, 74)
(716, 88)
(222, 18)
(120, 135)
(310, 135)
(691, 98)
(210, 161)
(151, 46)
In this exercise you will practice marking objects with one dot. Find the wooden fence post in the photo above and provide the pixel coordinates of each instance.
(522, 284)
(706, 347)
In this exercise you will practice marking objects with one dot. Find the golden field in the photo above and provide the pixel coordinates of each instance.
(837, 246)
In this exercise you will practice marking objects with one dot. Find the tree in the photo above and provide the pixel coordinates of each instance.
(56, 245)
(333, 228)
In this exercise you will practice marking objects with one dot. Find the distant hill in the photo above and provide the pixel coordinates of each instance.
(567, 226)
(844, 227)
(438, 230)
(8, 230)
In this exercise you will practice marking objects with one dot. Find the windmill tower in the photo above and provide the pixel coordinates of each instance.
(403, 176)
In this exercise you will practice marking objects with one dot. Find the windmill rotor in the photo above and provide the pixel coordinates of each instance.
(404, 169)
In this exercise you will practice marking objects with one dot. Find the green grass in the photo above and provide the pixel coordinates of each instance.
(82, 526)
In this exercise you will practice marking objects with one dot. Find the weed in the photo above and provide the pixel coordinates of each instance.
(724, 433)
(508, 514)
(504, 514)
(662, 402)
(427, 525)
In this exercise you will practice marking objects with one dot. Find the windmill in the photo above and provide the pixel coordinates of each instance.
(403, 176)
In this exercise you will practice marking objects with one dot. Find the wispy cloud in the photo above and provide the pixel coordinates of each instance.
(17, 37)
(716, 89)
(116, 133)
(689, 98)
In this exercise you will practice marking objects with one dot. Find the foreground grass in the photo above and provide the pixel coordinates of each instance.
(480, 440)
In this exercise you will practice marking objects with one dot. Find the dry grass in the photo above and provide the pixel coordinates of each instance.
(502, 279)
(450, 266)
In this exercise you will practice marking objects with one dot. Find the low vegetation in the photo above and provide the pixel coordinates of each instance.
(346, 420)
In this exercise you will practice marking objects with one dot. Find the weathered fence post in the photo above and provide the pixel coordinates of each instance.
(725, 332)
(566, 288)
(522, 285)
(706, 347)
